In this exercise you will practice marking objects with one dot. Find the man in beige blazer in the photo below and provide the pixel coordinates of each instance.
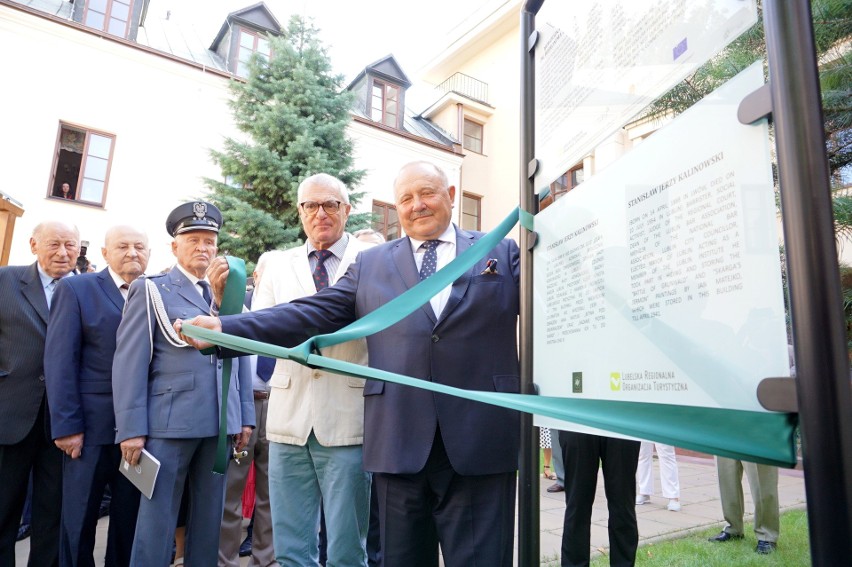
(315, 419)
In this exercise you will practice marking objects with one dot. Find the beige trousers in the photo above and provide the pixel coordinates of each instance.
(763, 482)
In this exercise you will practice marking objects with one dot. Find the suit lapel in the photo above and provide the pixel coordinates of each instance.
(34, 292)
(403, 259)
(353, 247)
(302, 270)
(110, 290)
(187, 290)
(464, 240)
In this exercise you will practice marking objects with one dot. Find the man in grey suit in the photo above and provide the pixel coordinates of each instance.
(167, 398)
(444, 466)
(84, 317)
(25, 442)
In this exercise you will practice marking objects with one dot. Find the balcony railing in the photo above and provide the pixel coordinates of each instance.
(467, 86)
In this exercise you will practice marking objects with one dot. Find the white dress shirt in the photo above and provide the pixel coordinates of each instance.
(446, 251)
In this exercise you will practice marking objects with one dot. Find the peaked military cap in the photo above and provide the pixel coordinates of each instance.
(196, 215)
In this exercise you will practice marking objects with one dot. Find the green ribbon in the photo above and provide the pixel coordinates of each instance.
(769, 438)
(232, 303)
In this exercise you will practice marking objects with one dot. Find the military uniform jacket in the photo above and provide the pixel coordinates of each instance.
(164, 391)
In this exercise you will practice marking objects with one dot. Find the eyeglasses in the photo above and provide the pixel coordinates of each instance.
(311, 207)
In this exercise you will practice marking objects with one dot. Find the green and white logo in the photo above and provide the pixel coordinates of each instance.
(615, 381)
(577, 382)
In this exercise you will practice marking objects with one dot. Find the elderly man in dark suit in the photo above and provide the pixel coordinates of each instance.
(444, 467)
(78, 359)
(167, 398)
(25, 443)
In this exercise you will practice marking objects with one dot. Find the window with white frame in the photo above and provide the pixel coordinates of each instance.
(384, 104)
(111, 16)
(81, 165)
(250, 43)
(472, 139)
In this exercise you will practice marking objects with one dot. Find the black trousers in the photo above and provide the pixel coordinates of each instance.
(473, 517)
(35, 452)
(582, 454)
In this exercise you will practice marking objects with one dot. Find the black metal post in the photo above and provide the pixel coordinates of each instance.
(824, 396)
(528, 483)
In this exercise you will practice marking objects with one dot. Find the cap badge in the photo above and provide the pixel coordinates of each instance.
(200, 210)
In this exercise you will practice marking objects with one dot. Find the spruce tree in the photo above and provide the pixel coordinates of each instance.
(294, 112)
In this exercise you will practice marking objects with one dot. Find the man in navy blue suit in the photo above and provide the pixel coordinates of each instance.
(79, 352)
(444, 467)
(26, 294)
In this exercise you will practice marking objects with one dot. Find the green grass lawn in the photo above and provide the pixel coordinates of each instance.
(695, 551)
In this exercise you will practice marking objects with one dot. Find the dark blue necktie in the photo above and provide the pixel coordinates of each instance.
(430, 258)
(208, 298)
(48, 291)
(320, 273)
(265, 366)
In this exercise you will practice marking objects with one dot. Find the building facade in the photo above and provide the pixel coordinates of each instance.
(122, 103)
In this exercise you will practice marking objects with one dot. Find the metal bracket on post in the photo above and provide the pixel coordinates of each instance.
(755, 105)
(532, 167)
(532, 40)
(778, 394)
(532, 240)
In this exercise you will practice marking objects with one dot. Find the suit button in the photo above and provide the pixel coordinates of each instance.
(316, 374)
(41, 378)
(435, 338)
(219, 366)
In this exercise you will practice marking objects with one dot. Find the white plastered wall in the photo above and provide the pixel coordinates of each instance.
(165, 116)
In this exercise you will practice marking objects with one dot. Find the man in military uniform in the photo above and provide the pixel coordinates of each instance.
(167, 397)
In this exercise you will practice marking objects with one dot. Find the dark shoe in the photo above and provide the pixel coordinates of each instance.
(24, 531)
(764, 547)
(245, 547)
(725, 536)
(555, 487)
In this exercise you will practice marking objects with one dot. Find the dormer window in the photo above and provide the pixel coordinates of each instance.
(249, 44)
(385, 104)
(111, 16)
(244, 33)
(380, 93)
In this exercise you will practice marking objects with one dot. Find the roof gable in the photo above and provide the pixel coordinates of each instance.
(385, 68)
(257, 17)
(389, 69)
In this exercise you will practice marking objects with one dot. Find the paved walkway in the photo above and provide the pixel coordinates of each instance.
(699, 498)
